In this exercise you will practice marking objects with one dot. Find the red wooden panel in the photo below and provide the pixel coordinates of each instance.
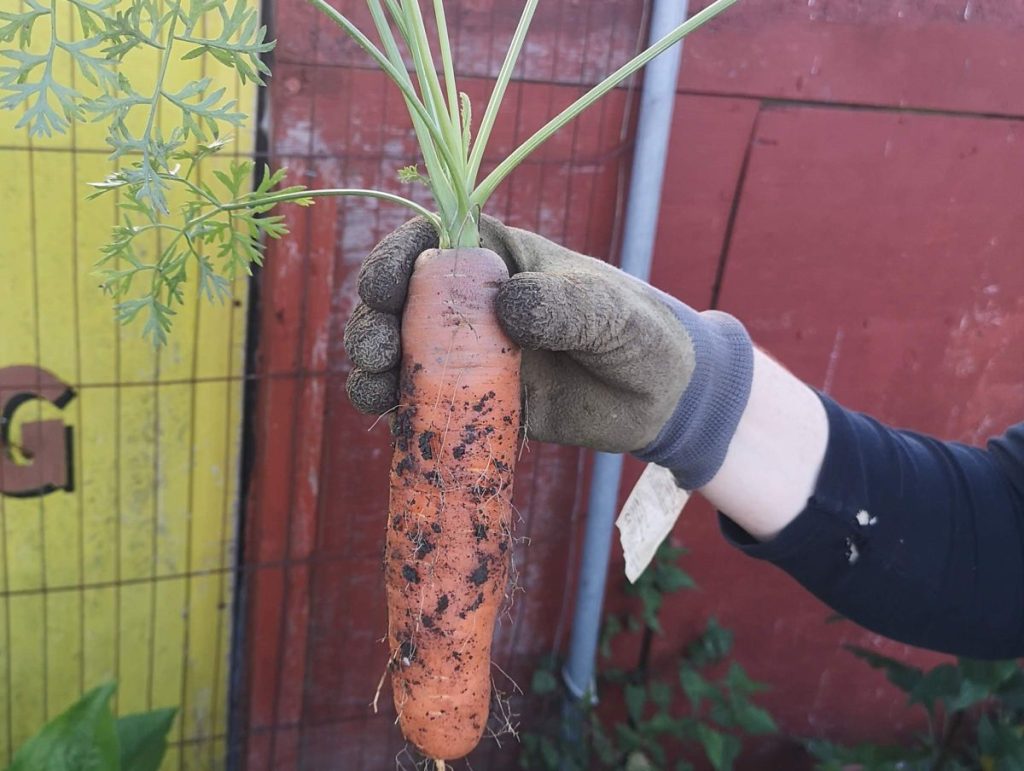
(902, 239)
(878, 256)
(317, 614)
(709, 141)
(269, 494)
(283, 503)
(325, 112)
(830, 196)
(958, 55)
(569, 42)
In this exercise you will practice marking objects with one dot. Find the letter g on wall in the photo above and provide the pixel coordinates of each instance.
(45, 444)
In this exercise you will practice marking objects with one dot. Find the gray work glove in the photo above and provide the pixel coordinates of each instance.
(609, 362)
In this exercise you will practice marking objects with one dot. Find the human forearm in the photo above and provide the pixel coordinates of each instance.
(774, 457)
(917, 539)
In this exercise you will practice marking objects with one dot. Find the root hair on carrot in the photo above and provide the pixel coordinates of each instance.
(418, 762)
(524, 426)
(444, 370)
(515, 685)
(511, 589)
(487, 466)
(415, 761)
(380, 685)
(502, 721)
(520, 520)
(384, 415)
(399, 706)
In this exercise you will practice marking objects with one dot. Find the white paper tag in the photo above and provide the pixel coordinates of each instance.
(648, 516)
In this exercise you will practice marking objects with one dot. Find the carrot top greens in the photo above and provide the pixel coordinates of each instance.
(54, 76)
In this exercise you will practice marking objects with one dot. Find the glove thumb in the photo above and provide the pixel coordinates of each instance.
(574, 312)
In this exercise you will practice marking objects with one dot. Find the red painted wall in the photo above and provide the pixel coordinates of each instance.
(844, 177)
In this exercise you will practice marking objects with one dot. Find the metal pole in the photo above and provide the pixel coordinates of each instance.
(642, 209)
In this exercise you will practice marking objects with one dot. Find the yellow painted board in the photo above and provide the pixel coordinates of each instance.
(220, 685)
(134, 646)
(218, 753)
(95, 411)
(23, 541)
(232, 395)
(26, 700)
(99, 635)
(6, 707)
(172, 760)
(204, 665)
(17, 290)
(63, 611)
(137, 451)
(54, 273)
(98, 332)
(127, 574)
(22, 532)
(212, 453)
(177, 474)
(169, 630)
(55, 276)
(207, 753)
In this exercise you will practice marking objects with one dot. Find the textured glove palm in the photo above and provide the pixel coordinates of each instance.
(607, 359)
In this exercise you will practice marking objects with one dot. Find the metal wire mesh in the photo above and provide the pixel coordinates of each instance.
(317, 495)
(123, 569)
(128, 571)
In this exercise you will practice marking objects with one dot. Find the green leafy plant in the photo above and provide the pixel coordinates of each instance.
(218, 231)
(87, 737)
(975, 712)
(689, 709)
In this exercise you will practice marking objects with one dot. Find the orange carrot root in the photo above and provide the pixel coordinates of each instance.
(449, 537)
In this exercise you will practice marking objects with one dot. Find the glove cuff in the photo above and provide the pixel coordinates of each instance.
(694, 441)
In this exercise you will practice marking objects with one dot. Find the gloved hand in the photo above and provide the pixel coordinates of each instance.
(609, 362)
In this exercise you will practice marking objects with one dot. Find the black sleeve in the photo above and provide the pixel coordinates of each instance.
(916, 539)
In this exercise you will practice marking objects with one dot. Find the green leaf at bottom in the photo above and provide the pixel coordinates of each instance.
(82, 738)
(144, 739)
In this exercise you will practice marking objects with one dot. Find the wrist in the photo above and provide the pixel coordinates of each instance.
(775, 457)
(695, 439)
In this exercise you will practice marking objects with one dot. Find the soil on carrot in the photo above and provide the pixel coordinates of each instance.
(413, 456)
(435, 623)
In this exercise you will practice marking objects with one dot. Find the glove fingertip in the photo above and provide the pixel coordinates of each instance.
(372, 339)
(530, 309)
(384, 276)
(373, 393)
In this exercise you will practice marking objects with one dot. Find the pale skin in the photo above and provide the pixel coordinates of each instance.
(773, 461)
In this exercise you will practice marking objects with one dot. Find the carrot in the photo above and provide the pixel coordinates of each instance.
(449, 538)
